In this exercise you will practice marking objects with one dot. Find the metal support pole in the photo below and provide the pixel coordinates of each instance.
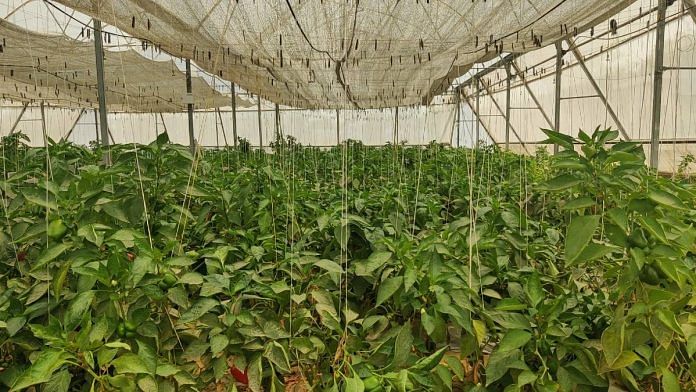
(189, 105)
(43, 125)
(477, 137)
(276, 118)
(657, 84)
(600, 94)
(396, 126)
(338, 127)
(258, 110)
(96, 125)
(217, 134)
(21, 113)
(507, 105)
(459, 116)
(557, 100)
(101, 90)
(234, 116)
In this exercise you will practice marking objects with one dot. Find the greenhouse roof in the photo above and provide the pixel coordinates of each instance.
(346, 54)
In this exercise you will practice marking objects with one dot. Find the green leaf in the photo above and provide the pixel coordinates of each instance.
(653, 227)
(130, 363)
(501, 362)
(191, 278)
(510, 320)
(456, 366)
(376, 260)
(666, 199)
(429, 362)
(619, 217)
(201, 307)
(670, 382)
(526, 378)
(148, 355)
(594, 251)
(691, 346)
(514, 339)
(556, 137)
(42, 369)
(402, 381)
(579, 203)
(533, 289)
(115, 211)
(354, 385)
(59, 382)
(580, 232)
(625, 359)
(388, 288)
(613, 341)
(147, 384)
(141, 266)
(77, 309)
(670, 320)
(218, 343)
(562, 182)
(255, 374)
(402, 346)
(15, 324)
(49, 255)
(48, 203)
(328, 265)
(93, 233)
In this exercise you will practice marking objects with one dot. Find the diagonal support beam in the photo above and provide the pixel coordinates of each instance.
(578, 56)
(478, 118)
(19, 118)
(164, 125)
(502, 113)
(520, 75)
(72, 128)
(222, 125)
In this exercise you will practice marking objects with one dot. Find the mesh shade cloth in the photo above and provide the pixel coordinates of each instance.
(346, 54)
(62, 71)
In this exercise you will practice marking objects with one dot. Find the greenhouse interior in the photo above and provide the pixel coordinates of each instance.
(348, 196)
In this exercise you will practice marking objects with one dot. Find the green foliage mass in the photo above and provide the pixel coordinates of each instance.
(350, 269)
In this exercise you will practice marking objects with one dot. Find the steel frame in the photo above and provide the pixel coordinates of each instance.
(189, 107)
(657, 84)
(101, 91)
(502, 113)
(578, 56)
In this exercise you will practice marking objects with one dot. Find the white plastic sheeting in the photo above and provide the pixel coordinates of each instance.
(622, 64)
(346, 54)
(417, 125)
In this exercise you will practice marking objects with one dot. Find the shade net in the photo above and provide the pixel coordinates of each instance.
(346, 54)
(62, 72)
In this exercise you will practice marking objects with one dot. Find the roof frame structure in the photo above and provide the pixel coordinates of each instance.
(574, 48)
